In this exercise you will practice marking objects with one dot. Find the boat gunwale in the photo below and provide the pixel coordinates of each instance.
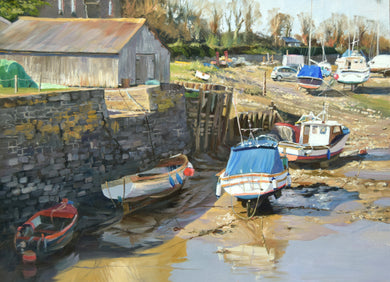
(135, 178)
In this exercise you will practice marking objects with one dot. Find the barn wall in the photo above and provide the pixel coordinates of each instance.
(144, 42)
(69, 70)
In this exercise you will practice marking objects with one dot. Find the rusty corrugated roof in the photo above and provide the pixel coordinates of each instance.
(64, 35)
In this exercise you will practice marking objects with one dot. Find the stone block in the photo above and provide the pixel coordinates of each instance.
(13, 161)
(48, 187)
(28, 167)
(26, 190)
(82, 193)
(24, 197)
(44, 199)
(23, 180)
(5, 179)
(15, 192)
(12, 184)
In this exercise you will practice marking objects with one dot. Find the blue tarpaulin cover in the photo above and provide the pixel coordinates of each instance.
(310, 71)
(247, 159)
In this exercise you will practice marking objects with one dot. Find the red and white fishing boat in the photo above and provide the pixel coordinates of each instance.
(46, 231)
(313, 139)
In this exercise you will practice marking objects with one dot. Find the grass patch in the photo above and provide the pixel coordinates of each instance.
(378, 103)
(192, 94)
(21, 91)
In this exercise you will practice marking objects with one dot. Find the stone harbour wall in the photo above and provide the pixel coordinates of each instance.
(65, 145)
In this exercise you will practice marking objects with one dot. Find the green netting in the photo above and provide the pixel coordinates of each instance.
(8, 70)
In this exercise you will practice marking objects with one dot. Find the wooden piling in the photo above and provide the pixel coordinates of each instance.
(206, 124)
(227, 114)
(199, 120)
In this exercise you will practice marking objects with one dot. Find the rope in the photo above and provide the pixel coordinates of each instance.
(146, 119)
(255, 209)
(62, 206)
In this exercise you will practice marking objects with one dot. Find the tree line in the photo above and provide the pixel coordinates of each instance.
(230, 24)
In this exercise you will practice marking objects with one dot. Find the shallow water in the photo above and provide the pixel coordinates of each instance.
(378, 154)
(382, 154)
(143, 246)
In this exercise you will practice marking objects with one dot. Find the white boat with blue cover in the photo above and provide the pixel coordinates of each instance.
(254, 172)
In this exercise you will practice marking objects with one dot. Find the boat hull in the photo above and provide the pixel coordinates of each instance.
(46, 237)
(150, 182)
(352, 76)
(133, 204)
(253, 185)
(309, 82)
(299, 153)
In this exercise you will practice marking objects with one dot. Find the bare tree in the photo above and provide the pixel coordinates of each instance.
(252, 16)
(238, 19)
(307, 26)
(280, 24)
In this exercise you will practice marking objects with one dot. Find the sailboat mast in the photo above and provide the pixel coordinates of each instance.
(311, 8)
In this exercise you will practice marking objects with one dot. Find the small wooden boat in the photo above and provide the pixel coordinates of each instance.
(144, 188)
(254, 172)
(313, 139)
(46, 231)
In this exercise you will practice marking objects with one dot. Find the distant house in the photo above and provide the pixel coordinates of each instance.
(291, 42)
(86, 52)
(4, 23)
(81, 9)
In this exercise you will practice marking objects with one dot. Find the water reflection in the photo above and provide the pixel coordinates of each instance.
(154, 264)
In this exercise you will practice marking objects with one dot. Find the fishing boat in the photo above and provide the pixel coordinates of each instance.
(352, 69)
(310, 77)
(142, 189)
(47, 231)
(313, 139)
(255, 170)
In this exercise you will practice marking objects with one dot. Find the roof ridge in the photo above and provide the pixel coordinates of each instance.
(131, 20)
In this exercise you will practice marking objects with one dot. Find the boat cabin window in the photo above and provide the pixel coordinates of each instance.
(336, 129)
(306, 132)
(319, 135)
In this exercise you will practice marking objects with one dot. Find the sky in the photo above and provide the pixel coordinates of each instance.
(323, 9)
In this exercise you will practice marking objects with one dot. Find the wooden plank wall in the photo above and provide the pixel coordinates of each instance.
(209, 109)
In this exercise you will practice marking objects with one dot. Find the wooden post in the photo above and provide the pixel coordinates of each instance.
(206, 123)
(265, 84)
(259, 120)
(16, 83)
(215, 132)
(227, 114)
(199, 120)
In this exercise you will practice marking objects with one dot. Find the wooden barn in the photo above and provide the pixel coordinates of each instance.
(86, 52)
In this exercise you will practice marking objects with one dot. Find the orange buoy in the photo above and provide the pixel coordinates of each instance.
(363, 152)
(29, 256)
